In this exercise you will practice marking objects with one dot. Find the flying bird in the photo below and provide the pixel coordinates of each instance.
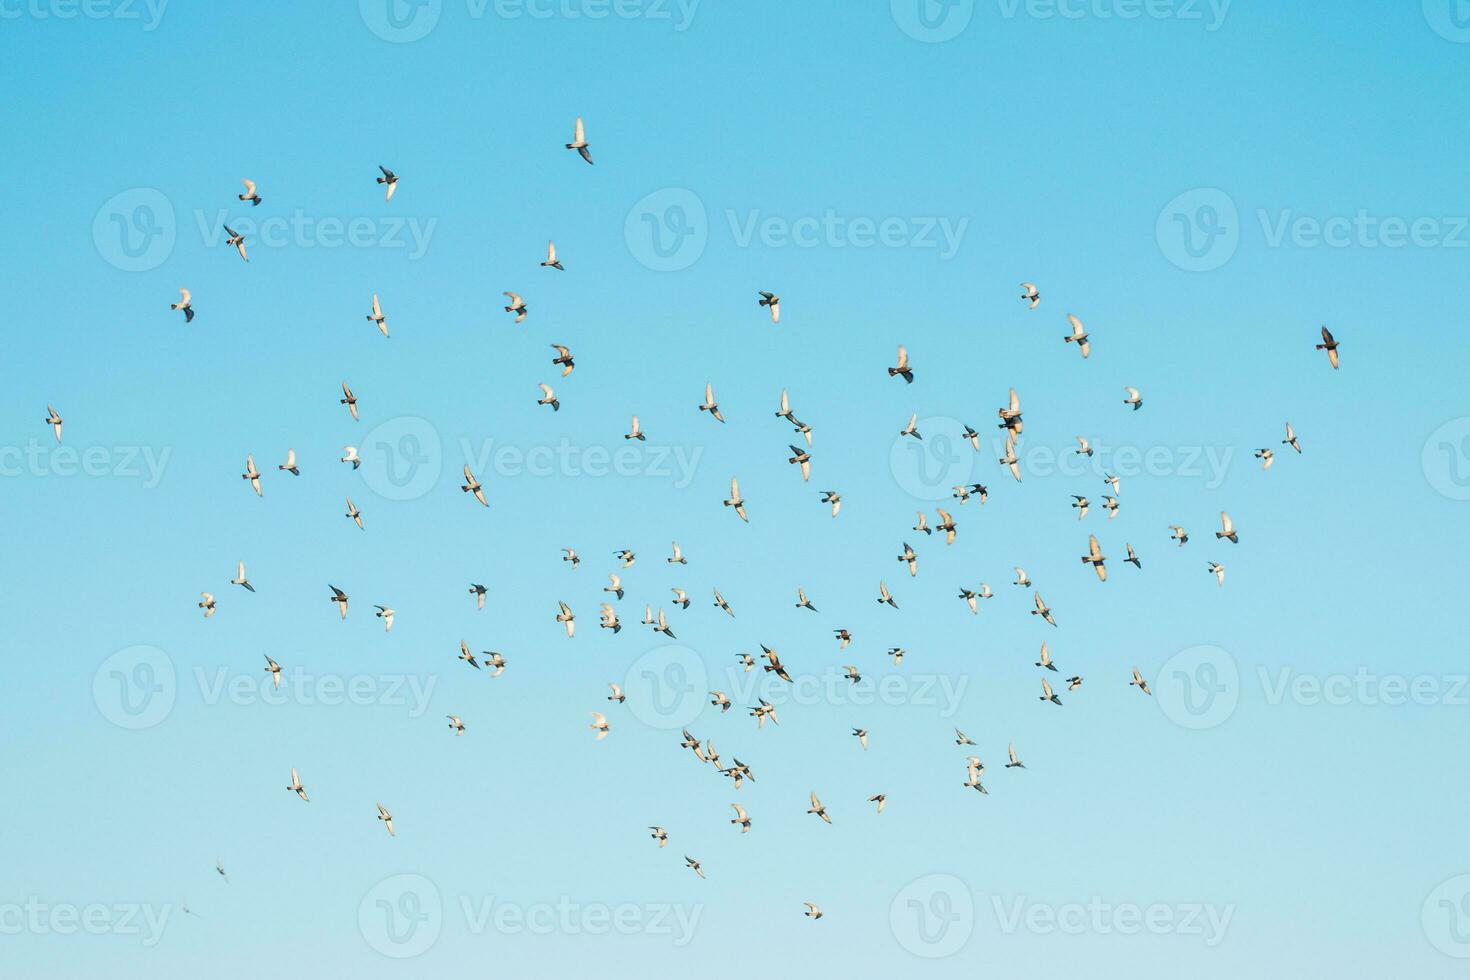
(386, 817)
(478, 591)
(1010, 415)
(1266, 456)
(1330, 346)
(471, 485)
(1015, 763)
(548, 397)
(252, 474)
(736, 501)
(636, 432)
(340, 598)
(1227, 529)
(710, 405)
(819, 810)
(1178, 534)
(566, 616)
(290, 464)
(660, 835)
(946, 524)
(354, 513)
(804, 459)
(1219, 572)
(1010, 459)
(677, 558)
(1045, 660)
(1290, 439)
(551, 260)
(350, 456)
(1095, 558)
(564, 358)
(812, 912)
(902, 369)
(884, 596)
(390, 179)
(693, 864)
(1139, 682)
(879, 799)
(1047, 694)
(774, 302)
(240, 578)
(610, 619)
(1132, 559)
(206, 603)
(296, 786)
(617, 694)
(912, 559)
(1133, 398)
(457, 724)
(1041, 609)
(861, 734)
(237, 240)
(1030, 295)
(377, 317)
(599, 725)
(1078, 335)
(579, 142)
(834, 498)
(274, 669)
(185, 303)
(516, 306)
(386, 614)
(912, 428)
(741, 818)
(350, 400)
(54, 420)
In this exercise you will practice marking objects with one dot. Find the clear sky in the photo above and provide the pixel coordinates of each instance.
(1204, 186)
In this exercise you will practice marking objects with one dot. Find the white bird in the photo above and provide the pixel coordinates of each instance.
(1041, 609)
(1022, 579)
(53, 420)
(564, 358)
(185, 303)
(812, 912)
(710, 405)
(579, 141)
(803, 458)
(1290, 439)
(1081, 504)
(1219, 571)
(249, 194)
(880, 799)
(912, 429)
(1132, 559)
(548, 397)
(599, 725)
(274, 669)
(296, 786)
(1139, 682)
(910, 558)
(617, 694)
(1030, 295)
(551, 260)
(516, 306)
(721, 603)
(354, 513)
(720, 700)
(1047, 694)
(390, 179)
(1078, 335)
(386, 817)
(1178, 534)
(1133, 398)
(376, 316)
(457, 724)
(819, 810)
(1110, 504)
(660, 835)
(252, 474)
(884, 596)
(1266, 456)
(478, 591)
(626, 557)
(1010, 459)
(237, 240)
(902, 369)
(741, 818)
(1045, 660)
(616, 588)
(386, 615)
(566, 616)
(960, 738)
(636, 432)
(1095, 558)
(693, 864)
(946, 524)
(495, 660)
(677, 558)
(1015, 763)
(466, 656)
(290, 464)
(774, 302)
(571, 556)
(240, 578)
(471, 485)
(736, 501)
(1330, 346)
(1227, 529)
(350, 400)
(350, 456)
(861, 734)
(610, 619)
(206, 603)
(785, 412)
(1111, 481)
(340, 598)
(1010, 415)
(834, 498)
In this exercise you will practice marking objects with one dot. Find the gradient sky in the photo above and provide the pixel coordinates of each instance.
(1073, 150)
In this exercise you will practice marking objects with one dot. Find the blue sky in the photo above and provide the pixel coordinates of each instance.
(1204, 186)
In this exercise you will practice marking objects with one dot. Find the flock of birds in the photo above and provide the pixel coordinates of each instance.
(704, 751)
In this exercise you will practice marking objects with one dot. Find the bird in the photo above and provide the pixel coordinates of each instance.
(354, 513)
(340, 598)
(1010, 459)
(960, 738)
(377, 317)
(616, 588)
(969, 598)
(1081, 504)
(516, 306)
(252, 474)
(883, 595)
(390, 179)
(610, 619)
(240, 578)
(785, 411)
(834, 498)
(1330, 346)
(234, 238)
(219, 868)
(897, 654)
(902, 368)
(923, 524)
(861, 734)
(478, 591)
(579, 141)
(660, 835)
(720, 700)
(693, 864)
(495, 660)
(1219, 572)
(1022, 579)
(1095, 558)
(567, 617)
(1290, 439)
(386, 817)
(741, 818)
(1083, 449)
(1010, 415)
(1139, 682)
(548, 397)
(350, 456)
(1015, 763)
(1178, 534)
(1047, 694)
(1111, 481)
(774, 302)
(290, 464)
(912, 429)
(681, 598)
(1133, 398)
(972, 437)
(350, 400)
(571, 556)
(709, 404)
(662, 626)
(1110, 504)
(736, 501)
(802, 458)
(852, 673)
(812, 912)
(457, 724)
(1073, 683)
(1266, 456)
(54, 420)
(626, 557)
(206, 603)
(804, 429)
(1041, 609)
(1132, 559)
(843, 637)
(985, 592)
(746, 661)
(912, 559)
(764, 711)
(249, 194)
(946, 524)
(599, 725)
(722, 604)
(1078, 335)
(185, 304)
(386, 614)
(466, 656)
(471, 485)
(1030, 295)
(819, 810)
(636, 432)
(774, 667)
(1227, 529)
(296, 786)
(564, 358)
(963, 493)
(617, 694)
(879, 799)
(677, 558)
(551, 260)
(1045, 660)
